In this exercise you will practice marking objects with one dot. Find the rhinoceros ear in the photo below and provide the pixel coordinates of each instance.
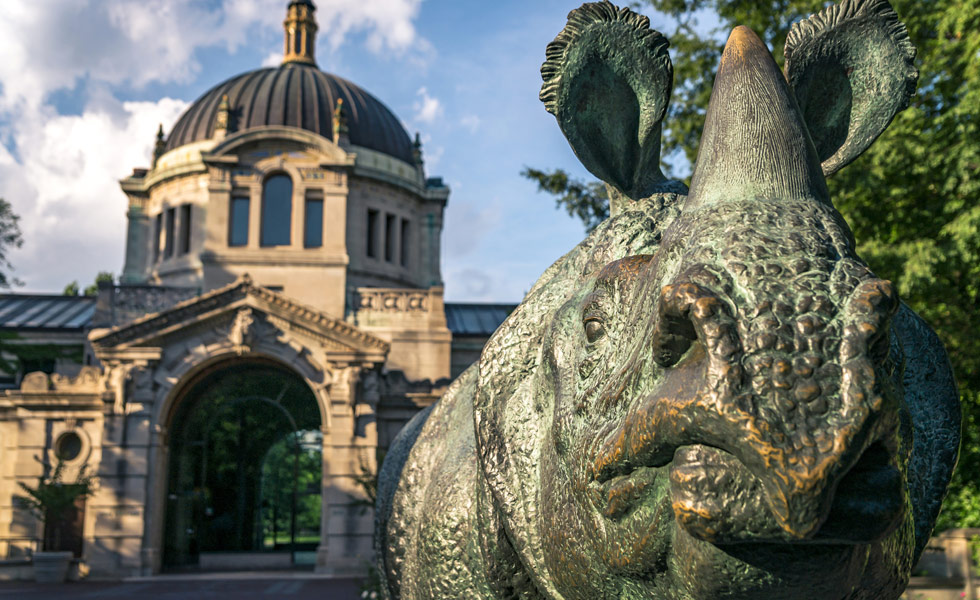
(851, 70)
(607, 79)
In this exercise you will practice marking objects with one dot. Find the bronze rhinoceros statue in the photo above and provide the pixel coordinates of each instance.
(712, 396)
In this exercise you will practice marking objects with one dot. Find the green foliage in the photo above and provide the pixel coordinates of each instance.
(104, 277)
(913, 199)
(234, 447)
(367, 480)
(52, 499)
(371, 585)
(586, 201)
(286, 466)
(6, 365)
(33, 354)
(10, 237)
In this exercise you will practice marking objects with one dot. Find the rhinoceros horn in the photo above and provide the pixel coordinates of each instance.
(755, 143)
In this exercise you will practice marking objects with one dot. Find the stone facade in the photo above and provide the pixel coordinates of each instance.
(123, 412)
(334, 282)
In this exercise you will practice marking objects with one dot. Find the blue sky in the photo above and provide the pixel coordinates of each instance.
(84, 83)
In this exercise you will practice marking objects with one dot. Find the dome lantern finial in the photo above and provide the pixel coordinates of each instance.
(300, 33)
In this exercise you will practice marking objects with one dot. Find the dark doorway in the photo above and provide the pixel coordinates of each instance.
(245, 470)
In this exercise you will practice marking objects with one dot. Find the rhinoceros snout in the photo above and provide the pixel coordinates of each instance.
(811, 455)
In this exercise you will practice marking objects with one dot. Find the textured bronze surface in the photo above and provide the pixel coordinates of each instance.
(712, 396)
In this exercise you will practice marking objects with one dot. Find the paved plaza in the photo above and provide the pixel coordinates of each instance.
(211, 587)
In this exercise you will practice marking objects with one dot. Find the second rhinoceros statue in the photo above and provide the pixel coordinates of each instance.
(712, 396)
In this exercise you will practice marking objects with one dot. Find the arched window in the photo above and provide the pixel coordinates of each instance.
(277, 210)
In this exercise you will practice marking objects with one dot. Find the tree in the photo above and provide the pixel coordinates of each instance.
(104, 277)
(53, 501)
(911, 199)
(10, 237)
(586, 201)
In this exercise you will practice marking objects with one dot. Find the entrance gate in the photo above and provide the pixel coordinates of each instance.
(245, 472)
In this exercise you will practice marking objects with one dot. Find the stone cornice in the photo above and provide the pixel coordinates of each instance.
(112, 342)
(331, 154)
(263, 256)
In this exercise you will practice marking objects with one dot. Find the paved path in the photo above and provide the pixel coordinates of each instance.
(212, 587)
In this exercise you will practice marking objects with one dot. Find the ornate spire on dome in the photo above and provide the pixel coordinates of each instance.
(341, 132)
(417, 149)
(221, 118)
(160, 146)
(301, 28)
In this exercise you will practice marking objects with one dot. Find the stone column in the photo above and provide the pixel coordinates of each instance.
(436, 195)
(117, 544)
(347, 524)
(137, 233)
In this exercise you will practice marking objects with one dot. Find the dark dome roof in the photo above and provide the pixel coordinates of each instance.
(295, 95)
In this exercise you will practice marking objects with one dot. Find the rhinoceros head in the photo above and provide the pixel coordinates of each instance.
(712, 405)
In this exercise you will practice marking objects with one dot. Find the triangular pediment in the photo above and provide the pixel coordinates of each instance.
(239, 312)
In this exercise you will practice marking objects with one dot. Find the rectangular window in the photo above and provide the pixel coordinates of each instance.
(277, 211)
(313, 223)
(185, 228)
(372, 233)
(168, 247)
(390, 238)
(238, 222)
(404, 244)
(157, 237)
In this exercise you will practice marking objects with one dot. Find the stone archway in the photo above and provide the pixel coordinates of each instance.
(230, 429)
(151, 364)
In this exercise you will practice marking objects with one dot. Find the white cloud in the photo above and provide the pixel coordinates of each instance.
(64, 185)
(468, 224)
(473, 284)
(389, 24)
(471, 122)
(274, 59)
(433, 155)
(61, 172)
(49, 44)
(427, 109)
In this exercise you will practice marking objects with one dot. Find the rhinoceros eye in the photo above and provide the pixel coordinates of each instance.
(594, 329)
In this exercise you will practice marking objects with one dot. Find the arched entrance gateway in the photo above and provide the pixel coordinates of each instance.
(241, 424)
(244, 482)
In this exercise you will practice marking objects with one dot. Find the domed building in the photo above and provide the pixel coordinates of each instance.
(279, 317)
(297, 177)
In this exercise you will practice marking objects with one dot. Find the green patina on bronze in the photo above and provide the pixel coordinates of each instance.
(712, 396)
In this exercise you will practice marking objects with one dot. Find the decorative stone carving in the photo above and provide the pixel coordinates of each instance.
(86, 381)
(340, 127)
(712, 396)
(242, 333)
(183, 313)
(392, 300)
(34, 383)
